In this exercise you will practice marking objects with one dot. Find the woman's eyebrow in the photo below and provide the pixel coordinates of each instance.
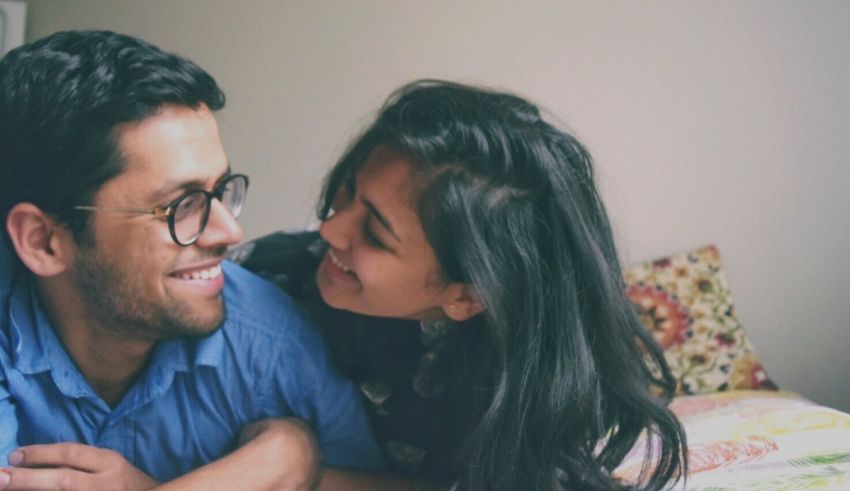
(381, 218)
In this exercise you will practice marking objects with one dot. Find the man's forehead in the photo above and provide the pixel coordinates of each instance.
(176, 147)
(145, 184)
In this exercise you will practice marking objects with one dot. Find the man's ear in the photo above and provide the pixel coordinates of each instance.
(43, 245)
(461, 302)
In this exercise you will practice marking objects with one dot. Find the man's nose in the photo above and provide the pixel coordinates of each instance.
(222, 227)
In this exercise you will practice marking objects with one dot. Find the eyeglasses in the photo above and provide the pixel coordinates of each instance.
(188, 214)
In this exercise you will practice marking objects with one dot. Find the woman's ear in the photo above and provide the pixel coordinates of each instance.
(462, 302)
(43, 245)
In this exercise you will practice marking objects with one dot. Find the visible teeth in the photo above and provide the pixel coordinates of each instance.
(204, 274)
(337, 262)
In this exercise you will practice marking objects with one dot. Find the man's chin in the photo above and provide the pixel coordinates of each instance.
(194, 325)
(199, 332)
(206, 325)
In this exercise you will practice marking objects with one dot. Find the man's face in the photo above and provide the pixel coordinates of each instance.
(134, 280)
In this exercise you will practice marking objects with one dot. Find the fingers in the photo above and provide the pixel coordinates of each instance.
(44, 480)
(74, 455)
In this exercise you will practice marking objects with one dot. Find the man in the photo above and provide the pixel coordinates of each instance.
(120, 325)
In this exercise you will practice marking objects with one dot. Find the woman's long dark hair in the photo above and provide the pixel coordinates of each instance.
(559, 388)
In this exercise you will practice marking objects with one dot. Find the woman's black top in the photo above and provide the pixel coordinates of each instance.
(411, 373)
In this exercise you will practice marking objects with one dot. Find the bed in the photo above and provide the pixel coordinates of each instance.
(759, 440)
(743, 433)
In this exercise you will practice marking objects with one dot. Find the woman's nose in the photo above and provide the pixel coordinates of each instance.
(338, 228)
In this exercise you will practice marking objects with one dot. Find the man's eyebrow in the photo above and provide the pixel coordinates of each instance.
(175, 185)
(381, 218)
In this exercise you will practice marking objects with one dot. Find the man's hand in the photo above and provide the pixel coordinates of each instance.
(72, 467)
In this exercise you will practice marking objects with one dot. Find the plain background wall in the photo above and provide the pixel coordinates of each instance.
(12, 24)
(712, 121)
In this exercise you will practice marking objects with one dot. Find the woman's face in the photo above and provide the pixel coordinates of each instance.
(379, 262)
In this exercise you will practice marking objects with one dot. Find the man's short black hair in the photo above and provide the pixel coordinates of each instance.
(61, 98)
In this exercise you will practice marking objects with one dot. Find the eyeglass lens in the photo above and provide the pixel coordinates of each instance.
(191, 212)
(233, 195)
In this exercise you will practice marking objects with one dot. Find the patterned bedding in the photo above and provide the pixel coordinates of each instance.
(759, 440)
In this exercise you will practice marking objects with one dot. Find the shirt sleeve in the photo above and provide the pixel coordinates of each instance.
(8, 418)
(315, 392)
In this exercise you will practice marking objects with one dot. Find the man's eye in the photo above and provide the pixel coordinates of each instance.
(190, 204)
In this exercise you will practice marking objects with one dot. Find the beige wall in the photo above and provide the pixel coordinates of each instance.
(711, 121)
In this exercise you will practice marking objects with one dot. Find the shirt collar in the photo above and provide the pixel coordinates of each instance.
(169, 358)
(34, 344)
(36, 348)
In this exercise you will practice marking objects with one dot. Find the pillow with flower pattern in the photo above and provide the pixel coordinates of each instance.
(685, 302)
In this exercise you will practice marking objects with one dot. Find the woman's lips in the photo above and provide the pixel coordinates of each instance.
(336, 270)
(338, 263)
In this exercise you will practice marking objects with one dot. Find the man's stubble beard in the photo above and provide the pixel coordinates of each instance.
(113, 301)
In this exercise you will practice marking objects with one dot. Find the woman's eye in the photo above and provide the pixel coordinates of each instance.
(373, 239)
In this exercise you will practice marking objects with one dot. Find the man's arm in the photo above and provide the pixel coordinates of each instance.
(284, 456)
(278, 455)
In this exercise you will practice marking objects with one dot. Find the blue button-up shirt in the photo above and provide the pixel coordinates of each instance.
(188, 406)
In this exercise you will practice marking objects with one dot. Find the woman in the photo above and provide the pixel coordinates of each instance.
(467, 279)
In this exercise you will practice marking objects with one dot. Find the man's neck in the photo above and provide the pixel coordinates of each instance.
(110, 362)
(110, 365)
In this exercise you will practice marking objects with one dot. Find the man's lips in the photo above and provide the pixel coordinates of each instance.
(201, 272)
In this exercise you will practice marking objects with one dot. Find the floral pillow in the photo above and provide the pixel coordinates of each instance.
(686, 304)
